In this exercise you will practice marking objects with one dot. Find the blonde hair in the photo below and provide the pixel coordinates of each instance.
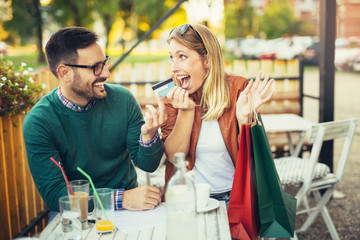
(215, 96)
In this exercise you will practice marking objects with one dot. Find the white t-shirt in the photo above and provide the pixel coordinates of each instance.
(213, 164)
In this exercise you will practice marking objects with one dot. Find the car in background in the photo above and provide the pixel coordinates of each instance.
(311, 54)
(293, 47)
(246, 48)
(232, 46)
(249, 47)
(268, 49)
(346, 51)
(278, 48)
(3, 48)
(355, 65)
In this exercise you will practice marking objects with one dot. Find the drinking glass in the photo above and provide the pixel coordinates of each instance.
(70, 215)
(80, 188)
(106, 196)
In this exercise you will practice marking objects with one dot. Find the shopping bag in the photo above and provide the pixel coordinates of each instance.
(242, 210)
(277, 209)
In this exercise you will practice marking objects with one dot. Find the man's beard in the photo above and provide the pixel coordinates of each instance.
(86, 90)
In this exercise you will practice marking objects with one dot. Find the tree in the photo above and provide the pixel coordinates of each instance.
(125, 12)
(107, 11)
(278, 20)
(71, 13)
(306, 28)
(3, 34)
(27, 23)
(238, 19)
(148, 18)
(28, 18)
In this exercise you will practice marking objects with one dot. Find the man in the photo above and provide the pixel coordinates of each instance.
(89, 124)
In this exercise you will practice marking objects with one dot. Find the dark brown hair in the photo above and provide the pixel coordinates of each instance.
(63, 45)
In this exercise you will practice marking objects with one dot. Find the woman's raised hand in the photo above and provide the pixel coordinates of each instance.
(179, 98)
(258, 93)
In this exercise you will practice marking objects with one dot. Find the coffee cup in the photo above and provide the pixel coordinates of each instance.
(202, 195)
(80, 188)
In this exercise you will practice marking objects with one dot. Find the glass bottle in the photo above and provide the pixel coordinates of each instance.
(180, 202)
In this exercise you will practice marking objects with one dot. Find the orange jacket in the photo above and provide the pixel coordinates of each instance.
(227, 121)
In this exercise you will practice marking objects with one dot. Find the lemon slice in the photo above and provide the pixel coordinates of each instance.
(104, 226)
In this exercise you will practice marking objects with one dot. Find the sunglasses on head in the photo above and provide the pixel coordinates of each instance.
(182, 29)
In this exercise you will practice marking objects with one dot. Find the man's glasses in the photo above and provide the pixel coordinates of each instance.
(183, 28)
(97, 67)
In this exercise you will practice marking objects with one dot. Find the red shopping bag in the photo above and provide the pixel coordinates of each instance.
(243, 209)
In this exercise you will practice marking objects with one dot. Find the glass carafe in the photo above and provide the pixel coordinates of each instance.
(180, 200)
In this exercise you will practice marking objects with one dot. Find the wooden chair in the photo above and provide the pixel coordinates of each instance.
(312, 176)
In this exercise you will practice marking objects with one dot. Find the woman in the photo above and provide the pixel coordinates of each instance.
(206, 108)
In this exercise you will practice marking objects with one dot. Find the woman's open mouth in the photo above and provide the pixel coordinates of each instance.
(185, 81)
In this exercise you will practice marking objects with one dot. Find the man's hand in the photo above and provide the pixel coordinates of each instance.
(154, 118)
(141, 198)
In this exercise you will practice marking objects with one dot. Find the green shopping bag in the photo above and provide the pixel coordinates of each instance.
(277, 209)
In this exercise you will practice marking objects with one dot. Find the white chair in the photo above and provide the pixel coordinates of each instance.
(312, 176)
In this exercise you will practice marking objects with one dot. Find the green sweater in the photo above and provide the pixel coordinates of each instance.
(103, 141)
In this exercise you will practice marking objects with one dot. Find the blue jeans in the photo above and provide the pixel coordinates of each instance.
(225, 196)
(52, 214)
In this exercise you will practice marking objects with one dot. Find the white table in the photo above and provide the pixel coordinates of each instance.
(211, 225)
(288, 123)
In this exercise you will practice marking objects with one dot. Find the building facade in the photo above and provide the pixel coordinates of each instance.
(348, 18)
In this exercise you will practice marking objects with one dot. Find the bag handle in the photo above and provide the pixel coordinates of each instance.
(253, 117)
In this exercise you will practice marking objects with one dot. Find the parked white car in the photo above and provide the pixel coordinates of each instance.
(355, 65)
(291, 48)
(250, 46)
(233, 46)
(267, 49)
(346, 51)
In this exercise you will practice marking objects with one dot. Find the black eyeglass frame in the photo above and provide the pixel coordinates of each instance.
(93, 67)
(183, 28)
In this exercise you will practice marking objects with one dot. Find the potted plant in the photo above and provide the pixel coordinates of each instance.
(17, 88)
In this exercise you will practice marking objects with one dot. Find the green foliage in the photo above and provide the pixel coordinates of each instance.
(70, 12)
(23, 24)
(107, 11)
(306, 28)
(238, 19)
(150, 12)
(17, 88)
(278, 19)
(27, 24)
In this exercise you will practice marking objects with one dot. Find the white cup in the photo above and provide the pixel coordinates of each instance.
(202, 195)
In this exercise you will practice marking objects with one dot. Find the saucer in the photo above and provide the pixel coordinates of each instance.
(211, 205)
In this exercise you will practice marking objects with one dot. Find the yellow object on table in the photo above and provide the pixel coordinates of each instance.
(103, 226)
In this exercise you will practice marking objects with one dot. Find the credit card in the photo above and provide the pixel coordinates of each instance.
(163, 87)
